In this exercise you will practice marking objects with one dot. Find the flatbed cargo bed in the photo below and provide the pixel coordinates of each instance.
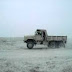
(57, 38)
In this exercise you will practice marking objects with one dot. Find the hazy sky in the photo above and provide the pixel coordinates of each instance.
(23, 17)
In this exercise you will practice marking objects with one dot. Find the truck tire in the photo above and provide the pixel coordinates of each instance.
(52, 45)
(30, 45)
(61, 44)
(57, 44)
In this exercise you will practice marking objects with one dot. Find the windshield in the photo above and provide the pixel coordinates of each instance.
(38, 33)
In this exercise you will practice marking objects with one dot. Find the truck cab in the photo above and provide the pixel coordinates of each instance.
(41, 34)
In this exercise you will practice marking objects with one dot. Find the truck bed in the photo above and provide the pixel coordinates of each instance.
(57, 38)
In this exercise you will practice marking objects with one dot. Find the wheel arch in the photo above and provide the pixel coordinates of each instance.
(32, 40)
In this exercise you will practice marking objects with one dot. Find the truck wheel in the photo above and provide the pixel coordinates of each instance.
(62, 44)
(52, 45)
(30, 45)
(57, 44)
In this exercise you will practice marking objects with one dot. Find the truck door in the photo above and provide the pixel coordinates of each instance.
(38, 36)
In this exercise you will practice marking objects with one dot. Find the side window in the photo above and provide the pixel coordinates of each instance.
(40, 33)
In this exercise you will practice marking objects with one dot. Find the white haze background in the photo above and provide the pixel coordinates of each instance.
(23, 17)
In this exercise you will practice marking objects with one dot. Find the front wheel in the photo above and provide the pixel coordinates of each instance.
(30, 45)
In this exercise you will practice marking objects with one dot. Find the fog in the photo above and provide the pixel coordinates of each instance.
(23, 17)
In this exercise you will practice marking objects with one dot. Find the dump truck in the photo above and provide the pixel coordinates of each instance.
(42, 38)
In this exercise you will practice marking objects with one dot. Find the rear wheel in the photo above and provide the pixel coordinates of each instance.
(30, 45)
(61, 44)
(52, 44)
(57, 44)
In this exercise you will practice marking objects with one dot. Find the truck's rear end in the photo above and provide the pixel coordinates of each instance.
(57, 41)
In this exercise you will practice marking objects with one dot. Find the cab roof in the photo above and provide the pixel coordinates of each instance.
(41, 30)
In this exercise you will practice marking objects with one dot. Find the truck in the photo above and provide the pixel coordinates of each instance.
(42, 38)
